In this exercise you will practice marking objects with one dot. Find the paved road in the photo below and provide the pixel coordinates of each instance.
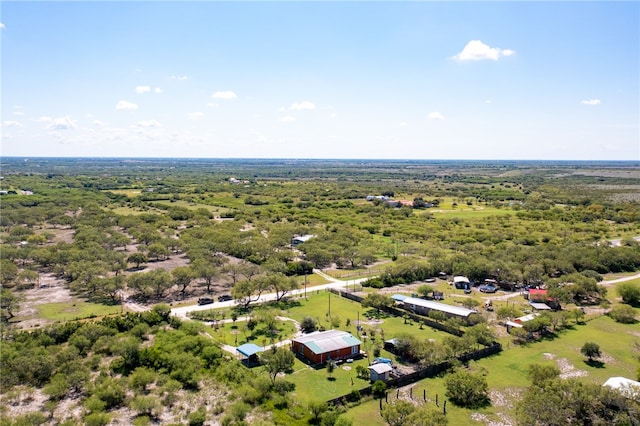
(333, 283)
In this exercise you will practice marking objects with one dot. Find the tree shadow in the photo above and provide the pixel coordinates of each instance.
(594, 363)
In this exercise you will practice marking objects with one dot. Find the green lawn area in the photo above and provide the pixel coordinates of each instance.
(228, 332)
(312, 280)
(354, 274)
(507, 372)
(315, 385)
(66, 311)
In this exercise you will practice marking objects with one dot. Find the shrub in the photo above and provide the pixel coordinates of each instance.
(379, 388)
(198, 417)
(623, 313)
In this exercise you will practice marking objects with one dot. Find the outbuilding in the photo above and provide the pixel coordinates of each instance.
(320, 346)
(380, 371)
(249, 352)
(423, 307)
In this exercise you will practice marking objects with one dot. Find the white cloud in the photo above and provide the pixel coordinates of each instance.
(179, 77)
(195, 115)
(44, 119)
(126, 105)
(10, 123)
(488, 101)
(591, 102)
(404, 124)
(435, 116)
(282, 109)
(157, 90)
(212, 104)
(227, 94)
(18, 112)
(99, 123)
(62, 123)
(142, 89)
(287, 119)
(148, 123)
(2, 27)
(303, 106)
(476, 50)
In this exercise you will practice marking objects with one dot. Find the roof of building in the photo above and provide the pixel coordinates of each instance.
(320, 342)
(539, 306)
(249, 349)
(513, 324)
(626, 386)
(303, 238)
(399, 297)
(537, 291)
(381, 368)
(526, 318)
(437, 306)
(460, 279)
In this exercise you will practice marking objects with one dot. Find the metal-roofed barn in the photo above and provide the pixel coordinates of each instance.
(423, 307)
(321, 346)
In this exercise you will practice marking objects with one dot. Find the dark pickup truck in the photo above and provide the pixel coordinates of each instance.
(205, 301)
(224, 298)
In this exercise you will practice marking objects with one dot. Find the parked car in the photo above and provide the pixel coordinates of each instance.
(205, 301)
(224, 298)
(488, 288)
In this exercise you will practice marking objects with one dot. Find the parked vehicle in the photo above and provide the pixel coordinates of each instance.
(224, 298)
(205, 301)
(488, 288)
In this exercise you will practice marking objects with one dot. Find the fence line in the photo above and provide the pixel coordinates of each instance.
(423, 373)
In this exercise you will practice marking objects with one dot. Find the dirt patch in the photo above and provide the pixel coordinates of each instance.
(51, 290)
(568, 370)
(505, 397)
(503, 420)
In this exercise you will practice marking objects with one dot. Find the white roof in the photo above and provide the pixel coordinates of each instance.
(513, 324)
(380, 368)
(437, 306)
(460, 279)
(527, 317)
(627, 387)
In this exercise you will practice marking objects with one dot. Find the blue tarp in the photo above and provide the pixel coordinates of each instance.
(249, 349)
(399, 297)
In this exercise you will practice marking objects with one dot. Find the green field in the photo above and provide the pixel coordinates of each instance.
(507, 372)
(237, 334)
(66, 311)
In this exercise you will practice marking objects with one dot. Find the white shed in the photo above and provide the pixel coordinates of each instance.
(379, 371)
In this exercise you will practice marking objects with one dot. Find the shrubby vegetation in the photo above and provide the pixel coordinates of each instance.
(106, 229)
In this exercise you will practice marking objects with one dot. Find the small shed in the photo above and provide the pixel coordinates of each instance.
(249, 352)
(380, 371)
(391, 345)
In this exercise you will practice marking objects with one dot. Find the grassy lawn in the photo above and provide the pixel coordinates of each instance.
(354, 274)
(507, 372)
(66, 311)
(312, 280)
(315, 385)
(228, 332)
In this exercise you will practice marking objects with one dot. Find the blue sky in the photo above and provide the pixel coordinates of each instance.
(399, 80)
